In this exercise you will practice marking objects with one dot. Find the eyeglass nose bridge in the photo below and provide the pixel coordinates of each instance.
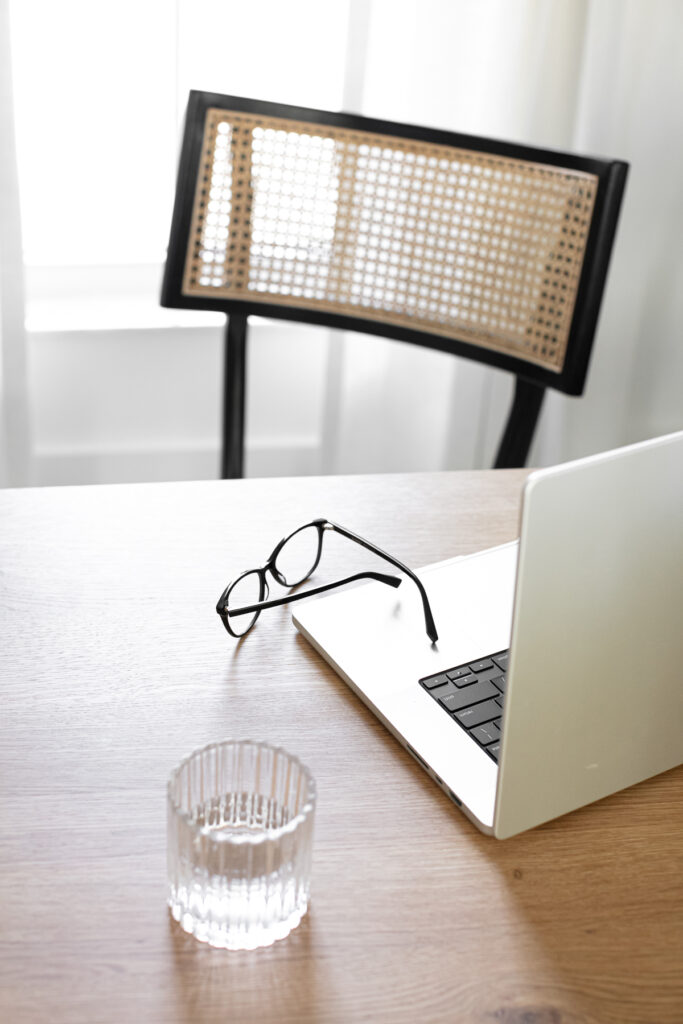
(270, 567)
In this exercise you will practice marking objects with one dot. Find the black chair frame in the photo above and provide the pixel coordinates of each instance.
(531, 380)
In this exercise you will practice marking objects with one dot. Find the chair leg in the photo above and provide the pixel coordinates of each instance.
(520, 426)
(234, 396)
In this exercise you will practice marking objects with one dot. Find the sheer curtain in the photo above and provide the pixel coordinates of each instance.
(142, 401)
(594, 76)
(629, 105)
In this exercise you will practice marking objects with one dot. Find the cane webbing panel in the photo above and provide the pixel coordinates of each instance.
(470, 246)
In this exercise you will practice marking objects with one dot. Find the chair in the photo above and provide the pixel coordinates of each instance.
(490, 250)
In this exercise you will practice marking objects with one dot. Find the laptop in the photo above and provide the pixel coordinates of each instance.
(569, 642)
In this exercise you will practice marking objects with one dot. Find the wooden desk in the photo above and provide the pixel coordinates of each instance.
(114, 665)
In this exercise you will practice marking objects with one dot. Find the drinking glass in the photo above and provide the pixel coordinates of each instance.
(240, 834)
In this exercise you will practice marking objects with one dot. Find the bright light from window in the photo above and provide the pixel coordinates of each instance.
(94, 98)
(99, 93)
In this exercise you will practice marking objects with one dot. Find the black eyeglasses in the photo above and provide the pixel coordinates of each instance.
(292, 562)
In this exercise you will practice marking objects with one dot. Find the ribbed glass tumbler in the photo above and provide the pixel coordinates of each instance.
(240, 837)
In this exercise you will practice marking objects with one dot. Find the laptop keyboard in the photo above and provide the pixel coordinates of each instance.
(474, 694)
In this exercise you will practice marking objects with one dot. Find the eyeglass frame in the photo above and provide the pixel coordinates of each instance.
(322, 525)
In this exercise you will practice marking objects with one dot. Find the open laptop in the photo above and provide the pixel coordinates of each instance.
(589, 605)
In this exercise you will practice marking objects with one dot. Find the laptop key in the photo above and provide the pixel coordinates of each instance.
(500, 682)
(463, 698)
(478, 714)
(433, 681)
(466, 680)
(494, 751)
(481, 666)
(485, 734)
(501, 660)
(458, 673)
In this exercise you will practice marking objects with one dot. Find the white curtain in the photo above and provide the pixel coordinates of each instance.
(601, 77)
(630, 105)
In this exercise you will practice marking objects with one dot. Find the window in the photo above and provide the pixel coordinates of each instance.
(100, 91)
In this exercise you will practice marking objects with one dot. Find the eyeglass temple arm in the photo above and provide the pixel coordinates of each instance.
(391, 581)
(429, 618)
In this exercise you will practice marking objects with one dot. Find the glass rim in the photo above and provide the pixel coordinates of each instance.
(265, 835)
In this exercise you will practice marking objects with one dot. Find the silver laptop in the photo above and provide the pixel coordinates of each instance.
(570, 639)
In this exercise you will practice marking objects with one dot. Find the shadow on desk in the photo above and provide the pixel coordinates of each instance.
(211, 983)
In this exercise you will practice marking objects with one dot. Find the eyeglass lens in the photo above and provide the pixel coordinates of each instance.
(246, 590)
(298, 556)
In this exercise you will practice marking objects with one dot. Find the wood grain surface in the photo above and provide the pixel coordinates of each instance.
(114, 665)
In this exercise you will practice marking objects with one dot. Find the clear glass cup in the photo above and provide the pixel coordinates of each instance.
(240, 837)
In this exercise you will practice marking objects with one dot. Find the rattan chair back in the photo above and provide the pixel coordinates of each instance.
(489, 250)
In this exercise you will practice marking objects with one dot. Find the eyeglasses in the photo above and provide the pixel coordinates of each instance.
(292, 562)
